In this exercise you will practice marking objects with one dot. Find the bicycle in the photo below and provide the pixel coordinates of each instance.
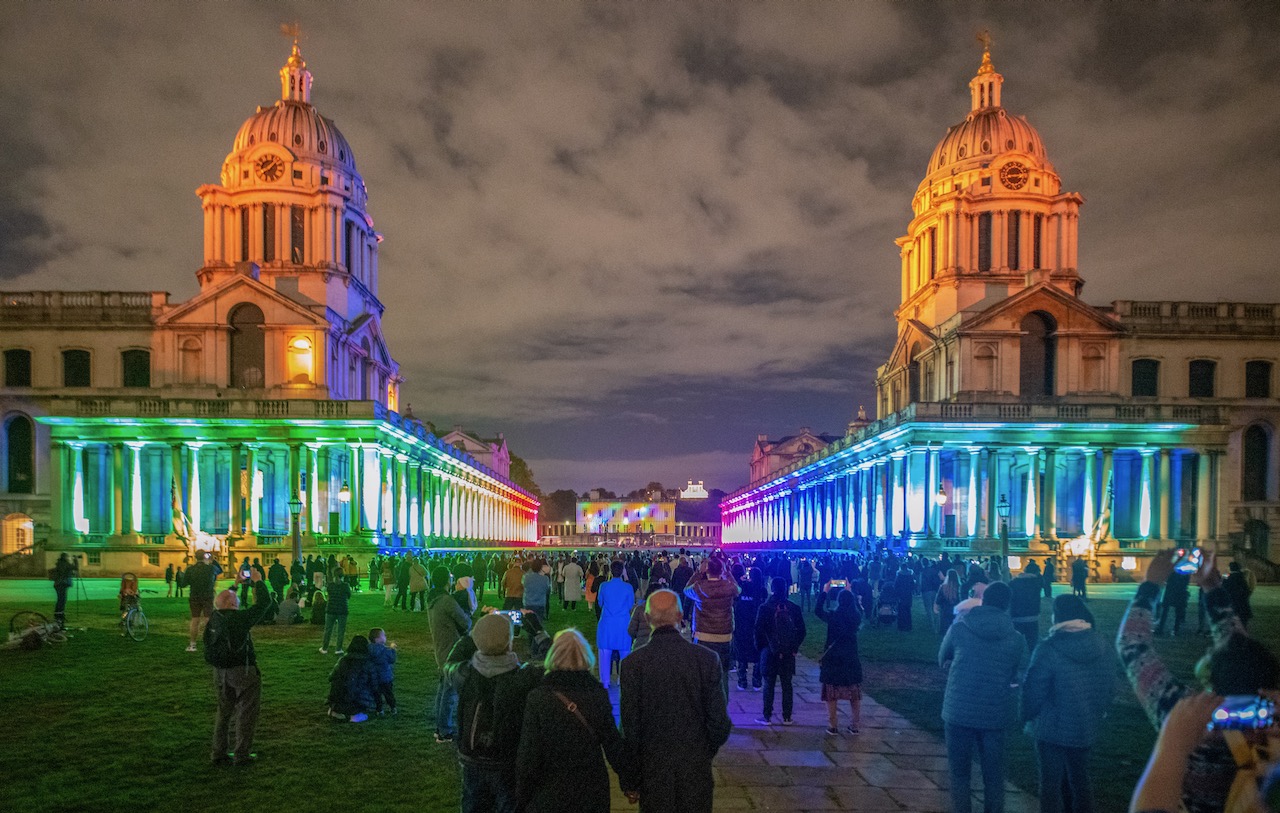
(31, 630)
(134, 620)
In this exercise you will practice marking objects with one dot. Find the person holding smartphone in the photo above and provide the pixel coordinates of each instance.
(1234, 665)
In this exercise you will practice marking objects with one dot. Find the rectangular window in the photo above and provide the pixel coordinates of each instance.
(1015, 241)
(153, 559)
(1257, 379)
(1037, 231)
(1146, 377)
(244, 233)
(297, 234)
(136, 365)
(984, 241)
(94, 557)
(17, 368)
(268, 233)
(1200, 375)
(75, 368)
(933, 253)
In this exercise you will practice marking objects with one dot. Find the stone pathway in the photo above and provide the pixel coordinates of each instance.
(891, 765)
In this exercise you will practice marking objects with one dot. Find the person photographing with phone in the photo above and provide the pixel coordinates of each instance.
(228, 648)
(1235, 665)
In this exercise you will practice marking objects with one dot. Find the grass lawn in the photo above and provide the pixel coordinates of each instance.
(902, 672)
(104, 723)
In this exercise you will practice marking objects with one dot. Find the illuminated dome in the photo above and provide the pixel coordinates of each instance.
(988, 131)
(294, 123)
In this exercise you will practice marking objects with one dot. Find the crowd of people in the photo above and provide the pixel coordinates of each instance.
(672, 630)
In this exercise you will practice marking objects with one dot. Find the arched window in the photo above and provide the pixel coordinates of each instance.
(16, 533)
(1200, 375)
(136, 368)
(1039, 348)
(248, 346)
(17, 368)
(189, 361)
(1146, 378)
(20, 467)
(76, 368)
(1253, 483)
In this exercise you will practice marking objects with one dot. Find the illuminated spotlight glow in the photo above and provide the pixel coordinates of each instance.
(1015, 563)
(1129, 563)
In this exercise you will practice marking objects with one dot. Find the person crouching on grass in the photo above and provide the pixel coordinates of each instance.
(351, 683)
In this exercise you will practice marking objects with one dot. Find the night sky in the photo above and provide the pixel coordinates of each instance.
(634, 235)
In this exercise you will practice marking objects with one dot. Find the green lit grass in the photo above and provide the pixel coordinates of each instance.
(104, 723)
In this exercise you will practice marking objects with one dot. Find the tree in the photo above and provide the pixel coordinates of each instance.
(522, 476)
(558, 506)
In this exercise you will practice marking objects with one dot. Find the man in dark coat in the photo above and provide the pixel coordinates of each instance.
(279, 579)
(238, 684)
(1177, 590)
(673, 716)
(779, 633)
(1024, 606)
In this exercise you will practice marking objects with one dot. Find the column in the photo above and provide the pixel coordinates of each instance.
(1144, 504)
(933, 481)
(357, 489)
(313, 505)
(237, 489)
(253, 493)
(294, 488)
(1049, 513)
(135, 488)
(193, 486)
(1088, 513)
(117, 489)
(1203, 484)
(973, 493)
(1106, 505)
(79, 518)
(1165, 516)
(57, 486)
(1031, 521)
(993, 518)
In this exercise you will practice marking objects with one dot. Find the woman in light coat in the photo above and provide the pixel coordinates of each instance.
(572, 574)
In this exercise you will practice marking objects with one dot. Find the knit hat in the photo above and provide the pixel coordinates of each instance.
(492, 634)
(464, 583)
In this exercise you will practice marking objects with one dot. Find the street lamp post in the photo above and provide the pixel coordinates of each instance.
(295, 509)
(1002, 508)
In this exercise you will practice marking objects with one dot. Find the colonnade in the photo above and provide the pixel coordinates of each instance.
(1049, 492)
(243, 488)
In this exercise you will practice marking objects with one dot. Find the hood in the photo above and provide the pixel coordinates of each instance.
(1084, 646)
(988, 622)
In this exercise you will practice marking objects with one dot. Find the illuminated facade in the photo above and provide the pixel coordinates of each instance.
(135, 427)
(1008, 398)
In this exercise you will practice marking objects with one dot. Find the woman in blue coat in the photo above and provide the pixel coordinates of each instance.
(1066, 693)
(615, 599)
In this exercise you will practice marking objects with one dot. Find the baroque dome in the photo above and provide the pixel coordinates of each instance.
(294, 123)
(988, 131)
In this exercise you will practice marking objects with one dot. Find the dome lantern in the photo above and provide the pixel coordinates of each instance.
(985, 87)
(295, 79)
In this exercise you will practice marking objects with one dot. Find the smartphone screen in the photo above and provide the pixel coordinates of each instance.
(1244, 711)
(1188, 561)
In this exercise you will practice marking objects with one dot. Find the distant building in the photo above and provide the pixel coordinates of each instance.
(694, 491)
(1009, 407)
(664, 522)
(769, 455)
(490, 452)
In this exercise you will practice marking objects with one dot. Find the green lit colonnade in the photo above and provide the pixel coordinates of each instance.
(942, 476)
(125, 471)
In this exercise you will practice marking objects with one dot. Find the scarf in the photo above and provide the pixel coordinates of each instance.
(494, 665)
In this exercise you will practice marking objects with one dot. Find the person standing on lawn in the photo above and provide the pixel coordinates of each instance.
(981, 652)
(448, 623)
(228, 648)
(200, 580)
(63, 577)
(779, 633)
(712, 593)
(336, 609)
(1068, 688)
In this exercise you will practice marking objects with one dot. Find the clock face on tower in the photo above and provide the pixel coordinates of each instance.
(269, 168)
(1013, 175)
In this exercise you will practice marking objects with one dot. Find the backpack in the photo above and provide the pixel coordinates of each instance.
(478, 718)
(786, 637)
(219, 650)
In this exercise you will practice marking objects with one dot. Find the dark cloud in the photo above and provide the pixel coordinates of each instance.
(28, 236)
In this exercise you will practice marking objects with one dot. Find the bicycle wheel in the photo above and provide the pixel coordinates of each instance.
(28, 620)
(135, 624)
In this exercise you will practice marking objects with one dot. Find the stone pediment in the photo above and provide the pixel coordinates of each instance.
(1071, 314)
(912, 331)
(213, 306)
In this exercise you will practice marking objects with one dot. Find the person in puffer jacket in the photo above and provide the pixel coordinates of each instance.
(713, 591)
(982, 651)
(1067, 691)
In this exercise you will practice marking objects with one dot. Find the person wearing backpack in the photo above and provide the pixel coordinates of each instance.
(492, 686)
(228, 648)
(779, 633)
